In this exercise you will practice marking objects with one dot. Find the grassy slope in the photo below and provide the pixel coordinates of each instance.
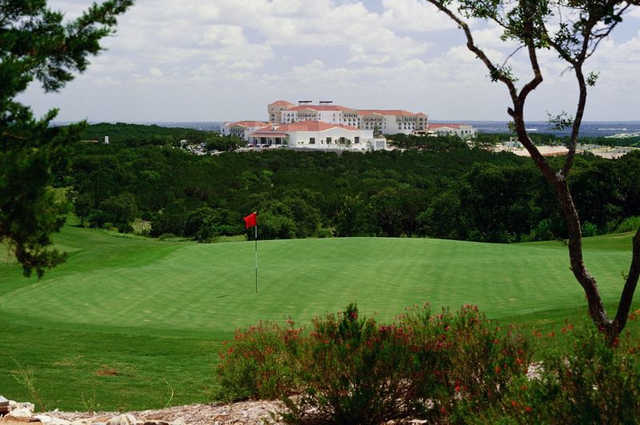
(155, 312)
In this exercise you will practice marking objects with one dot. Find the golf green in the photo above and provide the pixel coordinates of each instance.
(153, 313)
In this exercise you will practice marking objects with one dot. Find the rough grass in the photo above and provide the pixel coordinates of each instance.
(134, 323)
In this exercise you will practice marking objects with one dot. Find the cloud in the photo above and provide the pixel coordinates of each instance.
(226, 59)
(414, 15)
(635, 12)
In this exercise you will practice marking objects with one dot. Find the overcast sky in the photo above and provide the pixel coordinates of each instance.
(218, 60)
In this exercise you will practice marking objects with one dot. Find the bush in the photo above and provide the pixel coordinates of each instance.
(260, 363)
(350, 370)
(629, 224)
(589, 229)
(355, 372)
(590, 382)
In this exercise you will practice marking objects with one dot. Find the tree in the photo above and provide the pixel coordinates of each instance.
(35, 44)
(573, 29)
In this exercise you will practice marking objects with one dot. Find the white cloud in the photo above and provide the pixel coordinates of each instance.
(414, 15)
(635, 12)
(226, 59)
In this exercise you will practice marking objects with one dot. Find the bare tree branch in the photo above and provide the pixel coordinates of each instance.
(512, 54)
(471, 45)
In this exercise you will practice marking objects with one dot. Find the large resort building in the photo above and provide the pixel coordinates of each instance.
(316, 135)
(384, 121)
(328, 126)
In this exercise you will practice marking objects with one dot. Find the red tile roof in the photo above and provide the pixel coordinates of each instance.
(281, 103)
(247, 124)
(312, 126)
(268, 133)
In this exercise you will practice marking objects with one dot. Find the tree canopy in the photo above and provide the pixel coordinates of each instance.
(36, 44)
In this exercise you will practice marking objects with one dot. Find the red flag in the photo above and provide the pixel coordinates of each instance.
(251, 220)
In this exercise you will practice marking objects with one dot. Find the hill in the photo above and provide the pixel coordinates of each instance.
(130, 322)
(140, 133)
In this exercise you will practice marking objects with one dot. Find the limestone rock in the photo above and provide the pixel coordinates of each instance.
(14, 405)
(21, 412)
(123, 420)
(49, 420)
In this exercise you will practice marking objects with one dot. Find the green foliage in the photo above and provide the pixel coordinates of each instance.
(348, 369)
(120, 210)
(259, 363)
(426, 143)
(35, 44)
(630, 224)
(137, 135)
(205, 224)
(586, 381)
(467, 194)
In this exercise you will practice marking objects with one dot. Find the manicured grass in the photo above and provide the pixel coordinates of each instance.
(130, 322)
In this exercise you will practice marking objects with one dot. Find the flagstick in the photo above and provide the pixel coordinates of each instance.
(256, 233)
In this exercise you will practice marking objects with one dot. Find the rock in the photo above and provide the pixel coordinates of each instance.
(123, 420)
(48, 420)
(534, 372)
(21, 412)
(18, 420)
(178, 421)
(14, 405)
(154, 422)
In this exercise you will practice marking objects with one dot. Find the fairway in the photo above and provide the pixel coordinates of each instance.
(156, 311)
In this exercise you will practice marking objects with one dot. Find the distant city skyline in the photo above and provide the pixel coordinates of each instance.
(225, 60)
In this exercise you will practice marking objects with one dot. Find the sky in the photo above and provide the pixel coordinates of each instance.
(221, 60)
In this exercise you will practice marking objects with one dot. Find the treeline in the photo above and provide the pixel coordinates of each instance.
(136, 135)
(458, 193)
(425, 143)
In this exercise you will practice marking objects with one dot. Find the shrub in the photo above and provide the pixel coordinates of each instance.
(589, 229)
(629, 224)
(590, 382)
(259, 363)
(351, 370)
(475, 359)
(355, 372)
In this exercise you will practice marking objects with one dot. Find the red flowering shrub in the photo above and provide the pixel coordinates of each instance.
(588, 382)
(357, 372)
(259, 362)
(474, 359)
(347, 369)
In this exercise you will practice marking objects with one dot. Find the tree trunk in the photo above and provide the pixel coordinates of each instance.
(610, 328)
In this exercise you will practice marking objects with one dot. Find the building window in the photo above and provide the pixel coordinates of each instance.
(357, 139)
(312, 140)
(328, 140)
